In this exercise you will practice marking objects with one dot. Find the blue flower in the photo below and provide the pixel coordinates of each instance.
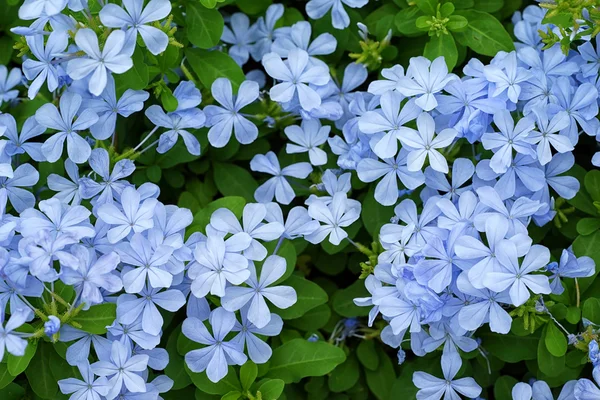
(249, 336)
(43, 69)
(339, 17)
(433, 388)
(98, 63)
(264, 31)
(295, 75)
(52, 326)
(340, 213)
(123, 368)
(24, 175)
(17, 142)
(88, 388)
(240, 36)
(218, 353)
(108, 107)
(112, 184)
(135, 215)
(56, 219)
(569, 266)
(298, 37)
(282, 297)
(277, 186)
(421, 144)
(7, 82)
(425, 78)
(12, 341)
(177, 123)
(136, 19)
(307, 138)
(223, 120)
(507, 77)
(32, 9)
(48, 116)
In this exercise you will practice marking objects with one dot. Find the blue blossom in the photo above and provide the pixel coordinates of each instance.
(123, 368)
(546, 134)
(108, 107)
(434, 388)
(240, 37)
(250, 336)
(340, 213)
(52, 326)
(24, 175)
(7, 82)
(592, 57)
(510, 137)
(43, 69)
(421, 227)
(133, 334)
(462, 171)
(88, 387)
(112, 184)
(339, 17)
(307, 138)
(392, 80)
(298, 37)
(253, 215)
(222, 120)
(11, 341)
(295, 74)
(425, 78)
(68, 190)
(31, 9)
(569, 266)
(135, 215)
(17, 142)
(507, 77)
(177, 125)
(523, 175)
(580, 104)
(519, 278)
(99, 64)
(49, 116)
(264, 31)
(131, 307)
(217, 262)
(421, 144)
(391, 169)
(521, 391)
(277, 187)
(551, 62)
(282, 297)
(79, 351)
(297, 224)
(92, 274)
(389, 119)
(218, 353)
(42, 251)
(136, 19)
(57, 219)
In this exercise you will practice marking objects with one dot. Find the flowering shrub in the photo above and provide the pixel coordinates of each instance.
(345, 199)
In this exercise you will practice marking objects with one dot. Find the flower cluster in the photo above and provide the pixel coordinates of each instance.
(469, 164)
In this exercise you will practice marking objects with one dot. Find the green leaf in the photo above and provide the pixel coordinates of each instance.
(18, 364)
(510, 347)
(573, 315)
(5, 377)
(204, 26)
(587, 226)
(406, 20)
(271, 389)
(232, 180)
(484, 34)
(12, 392)
(555, 340)
(490, 6)
(457, 23)
(592, 184)
(235, 395)
(374, 215)
(549, 364)
(503, 387)
(168, 100)
(248, 373)
(591, 310)
(312, 320)
(345, 375)
(136, 77)
(97, 318)
(381, 380)
(442, 45)
(343, 300)
(253, 7)
(367, 354)
(428, 7)
(175, 368)
(154, 173)
(228, 384)
(300, 358)
(210, 65)
(39, 372)
(310, 295)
